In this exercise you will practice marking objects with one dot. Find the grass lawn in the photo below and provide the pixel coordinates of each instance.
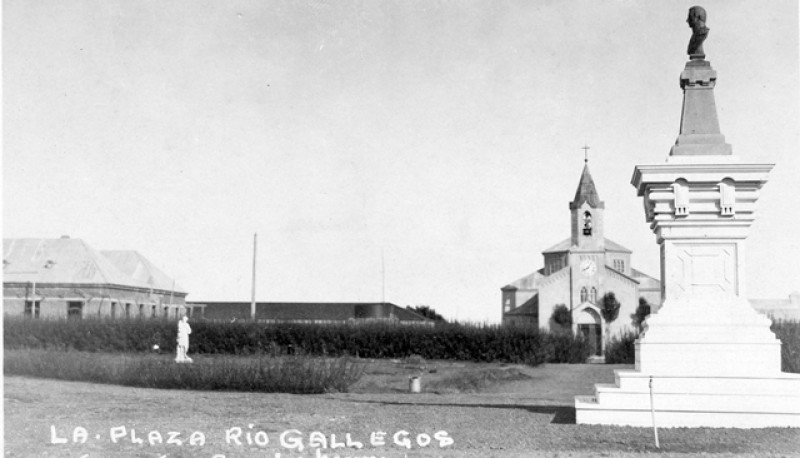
(485, 409)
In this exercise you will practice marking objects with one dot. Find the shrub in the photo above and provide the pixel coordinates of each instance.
(567, 348)
(621, 349)
(641, 313)
(295, 374)
(561, 318)
(789, 334)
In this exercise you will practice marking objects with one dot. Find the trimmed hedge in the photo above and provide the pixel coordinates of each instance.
(88, 335)
(479, 343)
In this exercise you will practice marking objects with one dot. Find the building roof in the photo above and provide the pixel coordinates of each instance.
(566, 244)
(627, 277)
(614, 246)
(73, 261)
(586, 192)
(63, 260)
(136, 266)
(646, 282)
(561, 246)
(530, 307)
(300, 311)
(526, 282)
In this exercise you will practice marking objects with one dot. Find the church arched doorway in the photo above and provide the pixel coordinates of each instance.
(590, 327)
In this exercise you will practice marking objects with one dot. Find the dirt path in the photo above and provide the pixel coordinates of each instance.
(531, 417)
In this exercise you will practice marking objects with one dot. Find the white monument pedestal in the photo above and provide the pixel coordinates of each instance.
(711, 358)
(713, 362)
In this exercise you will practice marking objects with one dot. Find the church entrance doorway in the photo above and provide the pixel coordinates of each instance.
(591, 332)
(588, 321)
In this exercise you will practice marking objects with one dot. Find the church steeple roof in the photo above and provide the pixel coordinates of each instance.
(586, 191)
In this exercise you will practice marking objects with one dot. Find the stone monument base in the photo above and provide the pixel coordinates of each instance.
(713, 362)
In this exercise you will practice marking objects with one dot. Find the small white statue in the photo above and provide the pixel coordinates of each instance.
(183, 340)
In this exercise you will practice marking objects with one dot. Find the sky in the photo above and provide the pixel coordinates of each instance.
(421, 152)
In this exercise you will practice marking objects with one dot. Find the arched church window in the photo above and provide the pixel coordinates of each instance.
(584, 294)
(594, 295)
(587, 223)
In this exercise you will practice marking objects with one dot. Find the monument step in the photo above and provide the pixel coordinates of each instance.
(698, 402)
(585, 414)
(779, 384)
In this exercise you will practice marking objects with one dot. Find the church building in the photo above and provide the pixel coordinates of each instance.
(577, 272)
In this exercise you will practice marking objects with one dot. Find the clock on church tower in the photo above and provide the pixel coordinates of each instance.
(588, 267)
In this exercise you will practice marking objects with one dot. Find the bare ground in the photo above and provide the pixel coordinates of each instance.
(525, 412)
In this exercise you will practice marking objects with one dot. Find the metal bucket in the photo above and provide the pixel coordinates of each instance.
(414, 384)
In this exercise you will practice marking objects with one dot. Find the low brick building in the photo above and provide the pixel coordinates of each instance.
(307, 312)
(66, 278)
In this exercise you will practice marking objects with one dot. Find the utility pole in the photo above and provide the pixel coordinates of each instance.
(253, 292)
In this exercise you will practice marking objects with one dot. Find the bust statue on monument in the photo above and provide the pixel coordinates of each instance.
(697, 21)
(700, 205)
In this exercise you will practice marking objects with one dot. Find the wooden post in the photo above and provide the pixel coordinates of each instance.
(253, 292)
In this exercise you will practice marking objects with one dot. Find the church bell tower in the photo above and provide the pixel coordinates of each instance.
(586, 211)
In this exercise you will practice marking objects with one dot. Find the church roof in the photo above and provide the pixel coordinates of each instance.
(586, 192)
(566, 244)
(646, 282)
(614, 246)
(526, 282)
(530, 307)
(609, 268)
(563, 245)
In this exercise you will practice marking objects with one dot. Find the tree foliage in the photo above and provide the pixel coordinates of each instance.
(427, 312)
(609, 307)
(562, 316)
(641, 313)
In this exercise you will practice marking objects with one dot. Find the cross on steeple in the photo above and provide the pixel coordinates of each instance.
(585, 149)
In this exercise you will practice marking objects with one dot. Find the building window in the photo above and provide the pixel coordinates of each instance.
(74, 310)
(32, 308)
(166, 312)
(141, 310)
(127, 310)
(587, 223)
(113, 310)
(594, 295)
(584, 294)
(153, 311)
